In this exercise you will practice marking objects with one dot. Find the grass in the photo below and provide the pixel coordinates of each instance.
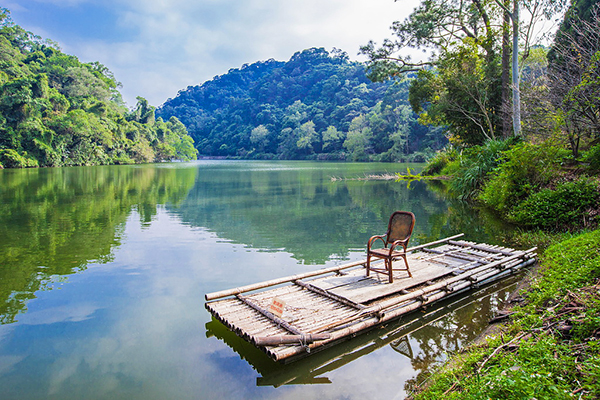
(551, 347)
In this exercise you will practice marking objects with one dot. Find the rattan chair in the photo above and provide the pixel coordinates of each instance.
(394, 242)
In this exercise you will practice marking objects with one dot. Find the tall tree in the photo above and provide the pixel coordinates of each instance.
(575, 72)
(447, 24)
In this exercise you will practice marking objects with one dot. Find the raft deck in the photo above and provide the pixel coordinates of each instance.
(326, 306)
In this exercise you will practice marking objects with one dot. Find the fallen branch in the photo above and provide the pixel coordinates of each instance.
(518, 337)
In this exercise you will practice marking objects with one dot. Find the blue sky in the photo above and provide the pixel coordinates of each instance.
(157, 47)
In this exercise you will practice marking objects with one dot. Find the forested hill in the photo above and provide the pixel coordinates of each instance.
(317, 105)
(57, 111)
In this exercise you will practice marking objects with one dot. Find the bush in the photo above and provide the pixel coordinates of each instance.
(568, 205)
(9, 158)
(527, 167)
(476, 163)
(440, 161)
(592, 158)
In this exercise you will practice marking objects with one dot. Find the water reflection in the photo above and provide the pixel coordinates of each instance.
(134, 248)
(54, 222)
(302, 211)
(423, 339)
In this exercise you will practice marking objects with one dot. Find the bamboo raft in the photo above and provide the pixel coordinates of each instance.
(323, 307)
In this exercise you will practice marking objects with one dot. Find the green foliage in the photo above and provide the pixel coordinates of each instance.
(55, 111)
(462, 93)
(526, 168)
(475, 164)
(302, 109)
(592, 158)
(441, 161)
(546, 364)
(569, 204)
(11, 159)
(569, 264)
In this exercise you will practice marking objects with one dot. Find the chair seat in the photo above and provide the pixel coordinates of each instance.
(385, 253)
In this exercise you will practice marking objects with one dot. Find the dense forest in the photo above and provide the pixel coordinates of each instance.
(57, 111)
(317, 105)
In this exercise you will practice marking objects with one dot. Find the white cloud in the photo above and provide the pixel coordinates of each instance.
(173, 44)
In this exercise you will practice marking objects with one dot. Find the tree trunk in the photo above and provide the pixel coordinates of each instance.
(505, 113)
(515, 71)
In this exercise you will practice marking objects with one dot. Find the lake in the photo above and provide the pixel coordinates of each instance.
(103, 272)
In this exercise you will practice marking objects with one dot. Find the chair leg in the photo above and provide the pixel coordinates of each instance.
(368, 263)
(388, 264)
(407, 269)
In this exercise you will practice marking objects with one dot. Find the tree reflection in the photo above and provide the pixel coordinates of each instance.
(304, 212)
(459, 327)
(54, 222)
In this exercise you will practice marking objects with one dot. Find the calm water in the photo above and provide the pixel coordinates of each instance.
(103, 272)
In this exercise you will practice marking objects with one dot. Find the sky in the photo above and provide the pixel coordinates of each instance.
(157, 47)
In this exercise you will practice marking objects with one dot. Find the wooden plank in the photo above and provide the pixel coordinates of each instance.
(330, 295)
(483, 247)
(332, 282)
(375, 288)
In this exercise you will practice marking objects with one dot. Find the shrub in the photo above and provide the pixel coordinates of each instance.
(10, 158)
(566, 206)
(476, 163)
(440, 161)
(592, 158)
(527, 167)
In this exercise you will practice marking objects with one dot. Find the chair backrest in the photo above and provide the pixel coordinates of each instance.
(400, 226)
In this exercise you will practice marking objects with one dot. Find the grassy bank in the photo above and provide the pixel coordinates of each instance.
(550, 348)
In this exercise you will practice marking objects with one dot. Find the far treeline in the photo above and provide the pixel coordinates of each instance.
(56, 111)
(318, 105)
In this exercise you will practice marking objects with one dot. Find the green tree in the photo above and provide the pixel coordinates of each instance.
(55, 110)
(332, 139)
(575, 74)
(358, 140)
(226, 115)
(307, 137)
(453, 27)
(260, 137)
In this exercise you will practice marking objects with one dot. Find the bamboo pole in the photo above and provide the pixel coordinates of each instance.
(380, 307)
(289, 339)
(278, 281)
(462, 243)
(280, 322)
(333, 296)
(376, 320)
